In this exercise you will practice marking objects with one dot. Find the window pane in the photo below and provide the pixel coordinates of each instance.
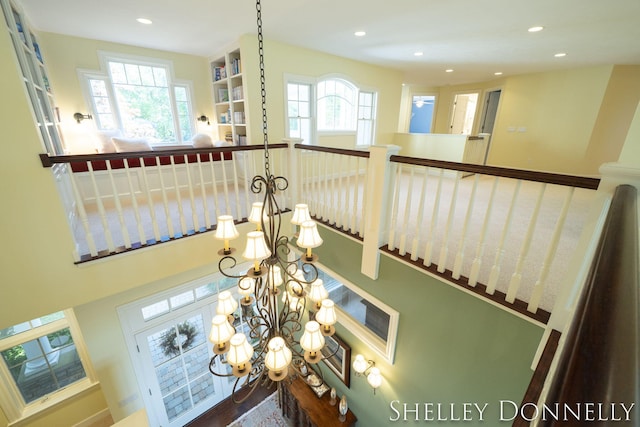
(133, 74)
(44, 365)
(146, 76)
(117, 72)
(16, 329)
(154, 310)
(160, 75)
(98, 87)
(181, 93)
(145, 112)
(182, 299)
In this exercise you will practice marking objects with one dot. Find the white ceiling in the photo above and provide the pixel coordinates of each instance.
(475, 38)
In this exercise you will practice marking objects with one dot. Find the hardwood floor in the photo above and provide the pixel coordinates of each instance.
(226, 411)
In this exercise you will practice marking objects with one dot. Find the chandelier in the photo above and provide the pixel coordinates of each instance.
(274, 292)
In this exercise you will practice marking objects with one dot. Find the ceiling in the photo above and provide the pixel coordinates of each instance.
(474, 38)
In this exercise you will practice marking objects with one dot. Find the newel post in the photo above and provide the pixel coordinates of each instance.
(379, 178)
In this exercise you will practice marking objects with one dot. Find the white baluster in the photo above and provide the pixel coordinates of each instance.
(365, 195)
(337, 191)
(354, 196)
(235, 184)
(325, 192)
(420, 218)
(225, 184)
(203, 194)
(516, 277)
(394, 208)
(444, 251)
(116, 201)
(477, 261)
(214, 185)
(101, 210)
(495, 270)
(176, 183)
(134, 202)
(246, 181)
(150, 201)
(434, 222)
(407, 213)
(165, 200)
(457, 265)
(84, 219)
(538, 288)
(194, 211)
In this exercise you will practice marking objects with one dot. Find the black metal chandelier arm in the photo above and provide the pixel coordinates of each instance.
(226, 270)
(212, 364)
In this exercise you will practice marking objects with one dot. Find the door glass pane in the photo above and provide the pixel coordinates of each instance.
(180, 358)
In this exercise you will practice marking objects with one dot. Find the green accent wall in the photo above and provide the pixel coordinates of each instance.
(452, 347)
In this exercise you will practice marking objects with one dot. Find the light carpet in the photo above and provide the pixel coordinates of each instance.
(265, 414)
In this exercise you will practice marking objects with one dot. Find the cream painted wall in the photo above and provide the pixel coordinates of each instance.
(64, 55)
(615, 116)
(630, 153)
(281, 59)
(558, 111)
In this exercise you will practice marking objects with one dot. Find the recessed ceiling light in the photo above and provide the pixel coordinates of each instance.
(359, 34)
(497, 73)
(145, 21)
(535, 29)
(560, 55)
(418, 53)
(448, 71)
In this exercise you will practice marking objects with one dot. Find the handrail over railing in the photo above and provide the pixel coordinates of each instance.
(546, 177)
(48, 160)
(601, 358)
(342, 151)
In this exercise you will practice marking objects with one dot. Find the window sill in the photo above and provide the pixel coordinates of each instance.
(51, 402)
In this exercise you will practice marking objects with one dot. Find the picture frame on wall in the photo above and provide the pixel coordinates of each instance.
(340, 362)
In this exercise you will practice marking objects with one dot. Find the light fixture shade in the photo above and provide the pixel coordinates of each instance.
(226, 229)
(327, 313)
(309, 236)
(221, 329)
(300, 214)
(226, 303)
(312, 339)
(256, 249)
(360, 364)
(317, 292)
(246, 286)
(278, 356)
(240, 350)
(256, 215)
(274, 277)
(374, 378)
(292, 300)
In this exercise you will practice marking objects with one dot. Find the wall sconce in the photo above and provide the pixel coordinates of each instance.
(368, 367)
(80, 117)
(203, 119)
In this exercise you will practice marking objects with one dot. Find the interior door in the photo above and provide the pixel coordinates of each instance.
(490, 111)
(175, 356)
(464, 110)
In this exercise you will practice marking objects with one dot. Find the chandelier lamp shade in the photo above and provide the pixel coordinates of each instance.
(226, 230)
(279, 326)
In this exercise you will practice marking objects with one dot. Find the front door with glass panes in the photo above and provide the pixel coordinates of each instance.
(175, 357)
(167, 336)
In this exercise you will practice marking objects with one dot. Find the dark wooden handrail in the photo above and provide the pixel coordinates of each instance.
(343, 151)
(48, 161)
(546, 177)
(601, 357)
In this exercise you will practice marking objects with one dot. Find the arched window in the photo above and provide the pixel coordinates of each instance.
(337, 105)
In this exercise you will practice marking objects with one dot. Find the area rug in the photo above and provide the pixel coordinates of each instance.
(266, 414)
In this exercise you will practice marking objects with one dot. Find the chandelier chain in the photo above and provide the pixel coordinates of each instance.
(263, 92)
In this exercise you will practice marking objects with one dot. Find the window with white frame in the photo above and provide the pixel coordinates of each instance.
(43, 362)
(366, 118)
(141, 98)
(335, 104)
(299, 114)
